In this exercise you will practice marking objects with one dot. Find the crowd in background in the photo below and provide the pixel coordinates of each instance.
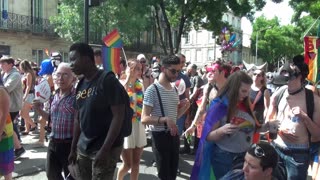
(238, 123)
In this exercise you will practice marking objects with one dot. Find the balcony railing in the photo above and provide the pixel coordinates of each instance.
(22, 23)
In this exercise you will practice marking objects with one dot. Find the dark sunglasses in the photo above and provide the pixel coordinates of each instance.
(257, 74)
(258, 151)
(174, 71)
(142, 61)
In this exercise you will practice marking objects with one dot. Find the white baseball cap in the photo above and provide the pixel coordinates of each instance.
(141, 56)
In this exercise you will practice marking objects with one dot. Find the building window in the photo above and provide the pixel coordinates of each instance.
(187, 36)
(210, 55)
(37, 55)
(198, 40)
(36, 11)
(65, 57)
(198, 55)
(4, 13)
(4, 50)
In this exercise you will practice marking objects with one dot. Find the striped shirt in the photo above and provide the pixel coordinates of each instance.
(62, 115)
(170, 100)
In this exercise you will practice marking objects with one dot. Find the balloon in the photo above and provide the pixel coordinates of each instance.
(224, 42)
(233, 37)
(227, 35)
(236, 43)
(224, 30)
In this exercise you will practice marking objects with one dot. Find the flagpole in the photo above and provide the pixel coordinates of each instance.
(306, 32)
(125, 57)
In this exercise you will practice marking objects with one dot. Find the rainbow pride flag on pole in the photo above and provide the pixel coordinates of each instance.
(113, 39)
(311, 57)
(111, 52)
(111, 59)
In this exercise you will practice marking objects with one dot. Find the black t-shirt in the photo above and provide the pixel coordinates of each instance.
(94, 103)
(196, 81)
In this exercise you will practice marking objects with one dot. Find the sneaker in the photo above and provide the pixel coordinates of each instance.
(18, 153)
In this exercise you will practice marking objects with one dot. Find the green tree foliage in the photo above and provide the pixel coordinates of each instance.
(278, 42)
(102, 19)
(171, 18)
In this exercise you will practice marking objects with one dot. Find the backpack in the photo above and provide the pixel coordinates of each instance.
(126, 128)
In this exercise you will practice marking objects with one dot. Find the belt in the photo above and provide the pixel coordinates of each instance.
(68, 140)
(288, 151)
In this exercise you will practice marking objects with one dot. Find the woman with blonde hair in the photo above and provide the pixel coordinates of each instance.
(28, 83)
(133, 144)
(259, 95)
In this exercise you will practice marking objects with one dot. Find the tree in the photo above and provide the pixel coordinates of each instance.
(102, 19)
(179, 16)
(279, 42)
(172, 18)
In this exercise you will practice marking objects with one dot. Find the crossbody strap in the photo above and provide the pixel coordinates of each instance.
(160, 102)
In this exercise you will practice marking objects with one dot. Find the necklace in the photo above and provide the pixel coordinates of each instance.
(296, 92)
(136, 106)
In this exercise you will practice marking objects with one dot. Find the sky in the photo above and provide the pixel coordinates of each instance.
(282, 10)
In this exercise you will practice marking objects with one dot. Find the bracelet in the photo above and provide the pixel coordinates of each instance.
(159, 119)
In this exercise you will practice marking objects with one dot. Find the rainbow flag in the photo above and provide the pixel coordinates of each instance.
(113, 39)
(311, 57)
(111, 59)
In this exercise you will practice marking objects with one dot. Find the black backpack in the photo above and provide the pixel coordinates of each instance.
(126, 128)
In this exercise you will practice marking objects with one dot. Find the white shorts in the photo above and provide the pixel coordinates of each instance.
(137, 137)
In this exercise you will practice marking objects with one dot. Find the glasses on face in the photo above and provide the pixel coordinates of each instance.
(258, 151)
(257, 74)
(174, 71)
(60, 75)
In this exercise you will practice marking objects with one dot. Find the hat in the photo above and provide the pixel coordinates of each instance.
(7, 59)
(141, 56)
(291, 69)
(46, 67)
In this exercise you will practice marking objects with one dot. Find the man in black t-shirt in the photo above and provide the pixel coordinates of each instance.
(97, 137)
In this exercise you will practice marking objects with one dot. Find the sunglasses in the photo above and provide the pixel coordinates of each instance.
(174, 71)
(257, 74)
(258, 151)
(142, 61)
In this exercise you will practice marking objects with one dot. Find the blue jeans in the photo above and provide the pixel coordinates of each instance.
(296, 164)
(180, 123)
(222, 161)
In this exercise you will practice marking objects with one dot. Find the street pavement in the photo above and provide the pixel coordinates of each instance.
(31, 166)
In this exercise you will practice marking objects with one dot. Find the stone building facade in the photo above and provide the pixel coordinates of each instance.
(25, 30)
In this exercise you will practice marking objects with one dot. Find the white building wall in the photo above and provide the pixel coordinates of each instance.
(202, 49)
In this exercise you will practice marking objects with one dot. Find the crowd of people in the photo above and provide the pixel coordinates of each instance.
(238, 124)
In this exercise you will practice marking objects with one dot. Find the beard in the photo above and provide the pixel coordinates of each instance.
(169, 79)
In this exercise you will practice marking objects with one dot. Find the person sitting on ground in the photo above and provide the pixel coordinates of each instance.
(259, 163)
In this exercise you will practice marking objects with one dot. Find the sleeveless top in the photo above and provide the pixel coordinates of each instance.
(259, 106)
(24, 84)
